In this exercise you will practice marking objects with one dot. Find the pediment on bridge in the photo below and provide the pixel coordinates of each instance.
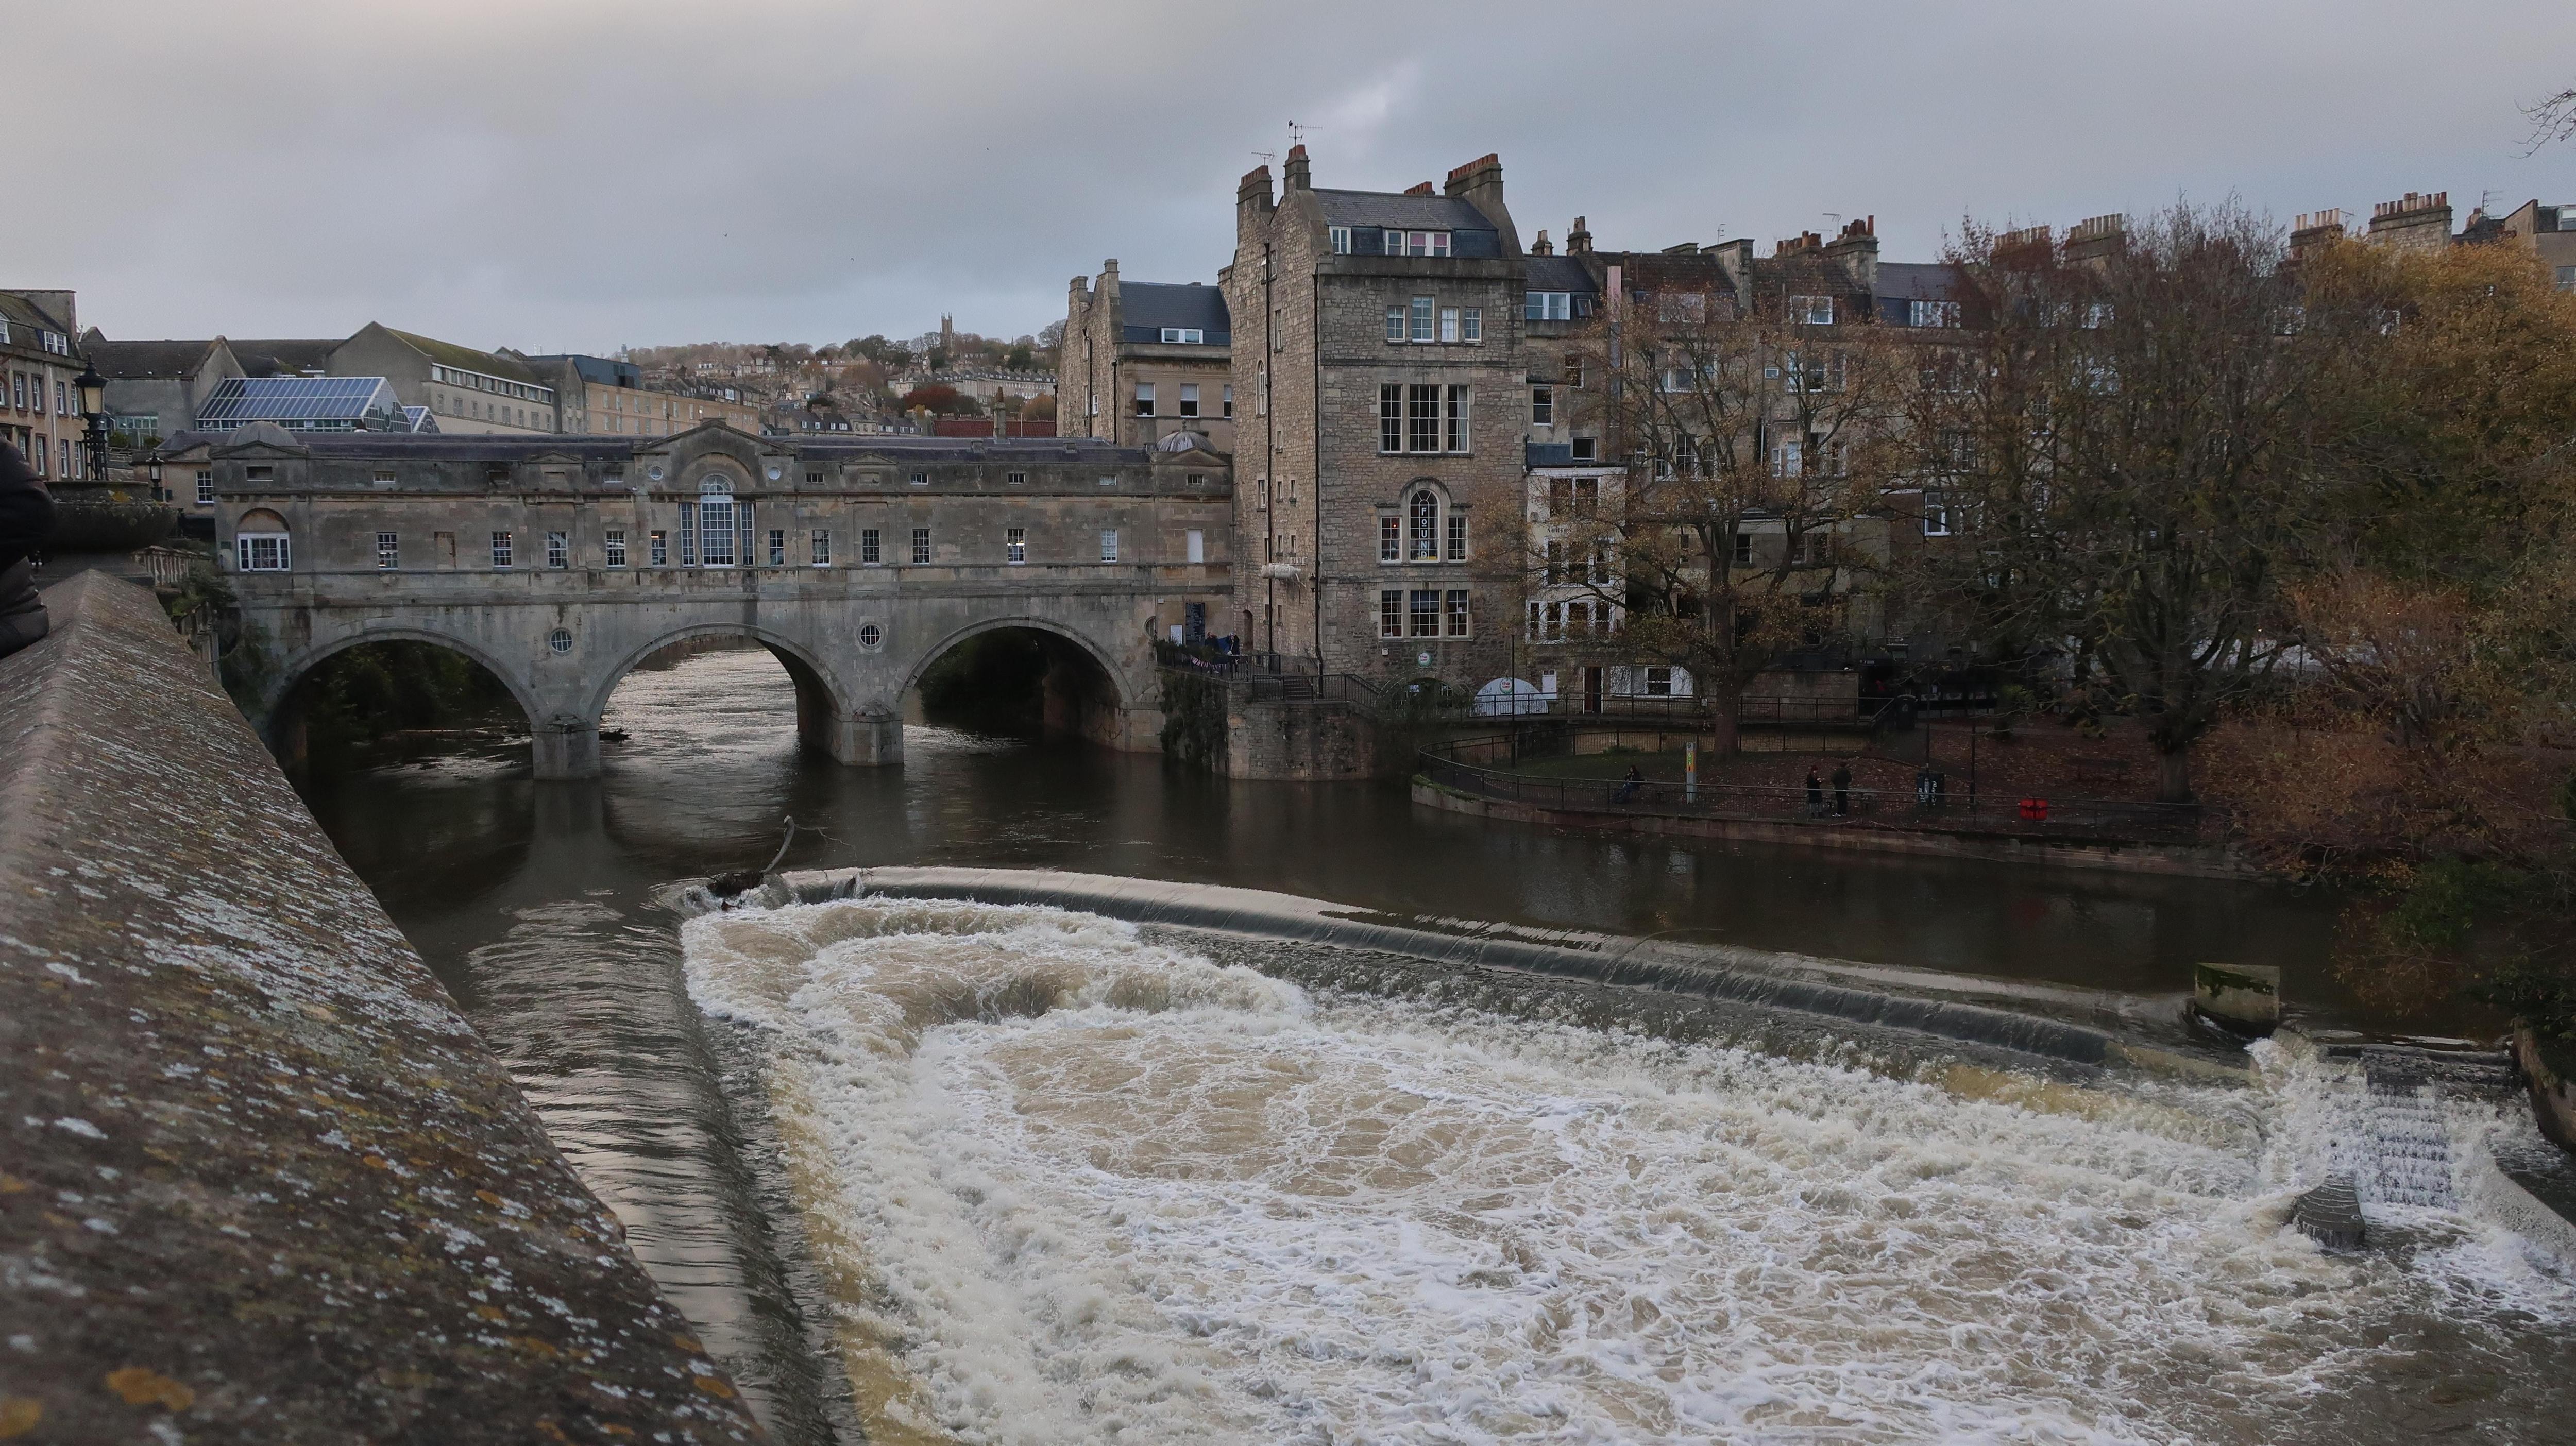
(712, 436)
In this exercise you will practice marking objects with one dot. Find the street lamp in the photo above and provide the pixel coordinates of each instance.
(93, 408)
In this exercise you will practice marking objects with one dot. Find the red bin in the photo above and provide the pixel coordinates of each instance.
(2035, 809)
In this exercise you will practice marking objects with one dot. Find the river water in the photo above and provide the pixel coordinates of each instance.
(966, 1172)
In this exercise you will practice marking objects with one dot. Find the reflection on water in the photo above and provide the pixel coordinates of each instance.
(540, 907)
(1080, 1186)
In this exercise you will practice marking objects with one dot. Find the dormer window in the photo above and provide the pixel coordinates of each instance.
(1812, 310)
(1341, 240)
(1417, 243)
(1549, 306)
(1185, 335)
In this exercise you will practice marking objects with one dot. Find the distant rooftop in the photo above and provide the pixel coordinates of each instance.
(304, 404)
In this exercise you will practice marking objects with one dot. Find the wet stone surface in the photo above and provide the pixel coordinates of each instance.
(259, 1180)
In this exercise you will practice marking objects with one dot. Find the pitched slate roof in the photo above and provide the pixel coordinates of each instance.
(1419, 213)
(1560, 273)
(466, 358)
(1151, 306)
(123, 361)
(1913, 281)
(20, 312)
(284, 358)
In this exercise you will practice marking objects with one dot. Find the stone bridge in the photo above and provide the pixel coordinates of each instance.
(560, 563)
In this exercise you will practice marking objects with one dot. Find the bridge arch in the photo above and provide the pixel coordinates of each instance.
(1096, 701)
(277, 720)
(825, 709)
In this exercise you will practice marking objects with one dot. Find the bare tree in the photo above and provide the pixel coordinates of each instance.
(1755, 426)
(2141, 467)
(2552, 120)
(1986, 458)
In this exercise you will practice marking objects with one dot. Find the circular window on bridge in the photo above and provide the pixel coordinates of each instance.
(870, 635)
(560, 640)
(654, 471)
(776, 472)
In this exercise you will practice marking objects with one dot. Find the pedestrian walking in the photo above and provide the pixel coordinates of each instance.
(26, 516)
(1815, 795)
(1842, 790)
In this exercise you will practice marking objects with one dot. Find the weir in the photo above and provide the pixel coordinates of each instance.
(1298, 1192)
(2070, 1026)
(260, 1180)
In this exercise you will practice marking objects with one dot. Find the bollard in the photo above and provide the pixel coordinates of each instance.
(2245, 998)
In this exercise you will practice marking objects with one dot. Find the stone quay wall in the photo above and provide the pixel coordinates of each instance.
(259, 1180)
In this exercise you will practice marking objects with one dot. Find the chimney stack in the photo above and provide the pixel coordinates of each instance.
(1296, 174)
(2315, 231)
(1735, 258)
(1578, 239)
(2415, 223)
(2096, 239)
(1857, 249)
(1479, 183)
(1253, 191)
(2028, 249)
(1542, 246)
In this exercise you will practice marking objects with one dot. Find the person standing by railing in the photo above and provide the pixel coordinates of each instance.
(26, 518)
(1815, 795)
(1842, 789)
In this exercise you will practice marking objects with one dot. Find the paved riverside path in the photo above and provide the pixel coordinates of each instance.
(259, 1180)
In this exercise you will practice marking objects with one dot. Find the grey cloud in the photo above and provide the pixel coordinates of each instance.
(590, 174)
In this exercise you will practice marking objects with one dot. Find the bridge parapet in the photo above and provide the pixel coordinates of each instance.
(261, 1181)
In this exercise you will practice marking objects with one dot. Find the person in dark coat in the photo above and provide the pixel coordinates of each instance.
(1842, 789)
(26, 517)
(1629, 785)
(1815, 795)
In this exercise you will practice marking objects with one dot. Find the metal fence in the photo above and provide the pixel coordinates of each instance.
(1953, 812)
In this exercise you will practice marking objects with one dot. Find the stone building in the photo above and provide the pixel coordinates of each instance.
(595, 394)
(2549, 232)
(1144, 359)
(1381, 468)
(39, 414)
(467, 391)
(159, 388)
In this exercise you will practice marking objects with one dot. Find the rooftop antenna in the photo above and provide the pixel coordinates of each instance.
(1296, 134)
(1836, 217)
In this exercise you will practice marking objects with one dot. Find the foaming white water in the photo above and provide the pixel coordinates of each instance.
(1087, 1188)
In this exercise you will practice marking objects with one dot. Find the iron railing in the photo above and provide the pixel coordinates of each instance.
(2124, 819)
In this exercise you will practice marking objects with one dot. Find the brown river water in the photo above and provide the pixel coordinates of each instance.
(959, 1172)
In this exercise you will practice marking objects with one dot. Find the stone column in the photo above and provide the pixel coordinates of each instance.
(874, 740)
(567, 746)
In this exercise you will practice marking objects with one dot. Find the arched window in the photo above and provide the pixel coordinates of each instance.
(1422, 530)
(260, 543)
(715, 523)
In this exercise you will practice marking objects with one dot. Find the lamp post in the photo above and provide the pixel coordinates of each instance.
(93, 409)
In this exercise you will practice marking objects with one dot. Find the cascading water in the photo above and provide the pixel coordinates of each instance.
(1067, 1181)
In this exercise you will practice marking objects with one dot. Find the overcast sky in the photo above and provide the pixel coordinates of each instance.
(581, 174)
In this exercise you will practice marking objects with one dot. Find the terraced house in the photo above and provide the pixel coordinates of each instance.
(1378, 339)
(37, 415)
